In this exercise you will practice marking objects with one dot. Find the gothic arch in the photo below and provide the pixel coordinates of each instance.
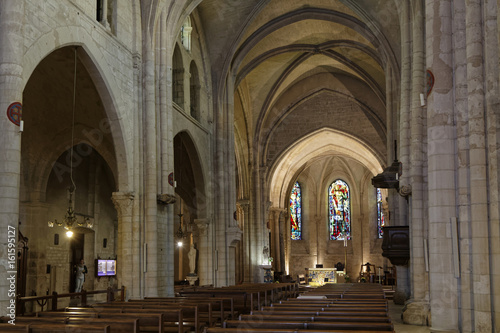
(193, 187)
(89, 53)
(325, 141)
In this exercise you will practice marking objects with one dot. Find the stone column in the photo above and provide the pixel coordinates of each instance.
(244, 204)
(462, 163)
(202, 235)
(11, 85)
(104, 18)
(399, 204)
(233, 236)
(150, 161)
(441, 166)
(128, 251)
(256, 230)
(283, 235)
(417, 308)
(276, 238)
(492, 72)
(166, 164)
(478, 161)
(225, 193)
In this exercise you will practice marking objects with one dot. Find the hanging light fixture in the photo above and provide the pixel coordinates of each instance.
(70, 218)
(180, 234)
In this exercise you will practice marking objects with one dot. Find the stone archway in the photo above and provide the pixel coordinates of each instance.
(190, 206)
(51, 126)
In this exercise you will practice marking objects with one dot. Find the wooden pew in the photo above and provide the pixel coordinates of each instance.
(64, 328)
(117, 323)
(45, 327)
(299, 312)
(189, 315)
(276, 330)
(276, 324)
(285, 307)
(17, 328)
(288, 317)
(147, 321)
(243, 301)
(66, 314)
(218, 303)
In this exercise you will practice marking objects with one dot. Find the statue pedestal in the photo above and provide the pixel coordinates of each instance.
(268, 275)
(192, 279)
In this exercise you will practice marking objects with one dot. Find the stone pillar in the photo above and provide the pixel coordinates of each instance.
(11, 85)
(256, 230)
(397, 203)
(165, 244)
(150, 161)
(274, 224)
(441, 166)
(491, 49)
(244, 205)
(283, 235)
(276, 238)
(225, 193)
(478, 167)
(104, 18)
(128, 251)
(166, 157)
(417, 308)
(233, 236)
(202, 235)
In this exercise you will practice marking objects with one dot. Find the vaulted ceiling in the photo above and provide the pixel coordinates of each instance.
(327, 59)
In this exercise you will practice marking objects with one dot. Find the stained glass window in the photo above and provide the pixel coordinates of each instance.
(339, 213)
(296, 212)
(380, 215)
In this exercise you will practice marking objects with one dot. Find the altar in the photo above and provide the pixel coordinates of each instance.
(321, 276)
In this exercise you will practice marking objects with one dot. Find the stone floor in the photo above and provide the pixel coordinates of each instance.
(395, 314)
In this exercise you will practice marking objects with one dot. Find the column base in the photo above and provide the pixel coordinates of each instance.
(417, 313)
(438, 330)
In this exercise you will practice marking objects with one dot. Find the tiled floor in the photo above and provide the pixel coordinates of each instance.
(395, 314)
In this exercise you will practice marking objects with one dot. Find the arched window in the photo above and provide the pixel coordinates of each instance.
(339, 210)
(380, 215)
(186, 30)
(296, 212)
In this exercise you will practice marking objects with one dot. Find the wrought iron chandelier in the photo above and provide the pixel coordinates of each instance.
(70, 218)
(180, 235)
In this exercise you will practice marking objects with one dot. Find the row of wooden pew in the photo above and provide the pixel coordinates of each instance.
(351, 308)
(192, 310)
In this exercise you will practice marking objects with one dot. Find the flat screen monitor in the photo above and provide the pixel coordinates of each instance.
(106, 267)
(319, 265)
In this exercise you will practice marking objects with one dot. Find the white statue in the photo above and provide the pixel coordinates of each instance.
(192, 259)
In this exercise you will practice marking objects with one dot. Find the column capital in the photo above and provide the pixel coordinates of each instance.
(243, 202)
(123, 202)
(202, 226)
